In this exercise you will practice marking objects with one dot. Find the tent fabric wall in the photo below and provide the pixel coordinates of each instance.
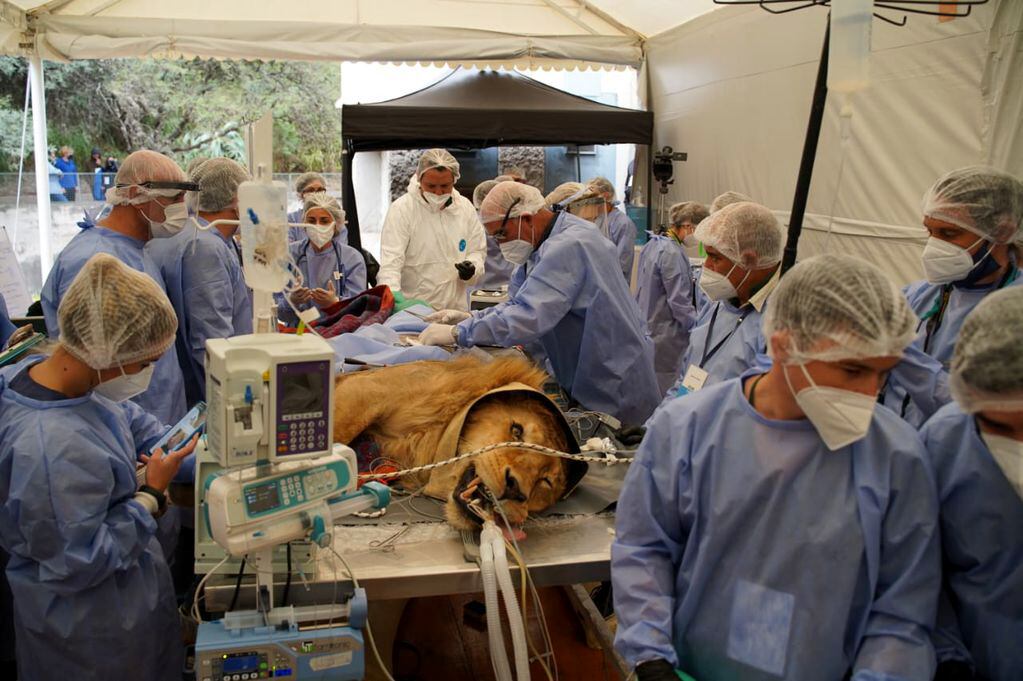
(733, 89)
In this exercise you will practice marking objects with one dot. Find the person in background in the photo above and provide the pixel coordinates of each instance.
(433, 246)
(664, 291)
(744, 243)
(567, 296)
(85, 569)
(497, 270)
(147, 202)
(69, 176)
(974, 215)
(976, 447)
(620, 227)
(57, 194)
(779, 525)
(111, 165)
(202, 270)
(683, 218)
(513, 173)
(95, 168)
(728, 198)
(95, 161)
(560, 193)
(331, 269)
(306, 185)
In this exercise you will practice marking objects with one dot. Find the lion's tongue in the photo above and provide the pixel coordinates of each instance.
(513, 533)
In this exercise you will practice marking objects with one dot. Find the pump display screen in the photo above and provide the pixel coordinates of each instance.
(302, 393)
(262, 498)
(240, 663)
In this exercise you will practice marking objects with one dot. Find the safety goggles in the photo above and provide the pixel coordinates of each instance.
(501, 233)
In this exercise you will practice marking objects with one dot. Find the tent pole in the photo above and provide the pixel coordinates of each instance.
(348, 196)
(813, 131)
(35, 76)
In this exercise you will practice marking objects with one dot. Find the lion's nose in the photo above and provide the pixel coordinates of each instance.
(512, 490)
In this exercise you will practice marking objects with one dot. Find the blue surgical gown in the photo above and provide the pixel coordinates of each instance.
(622, 231)
(982, 547)
(664, 291)
(497, 271)
(339, 264)
(165, 398)
(927, 382)
(206, 286)
(726, 341)
(745, 549)
(93, 597)
(586, 320)
(6, 327)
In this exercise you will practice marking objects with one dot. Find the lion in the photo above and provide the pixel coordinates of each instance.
(429, 411)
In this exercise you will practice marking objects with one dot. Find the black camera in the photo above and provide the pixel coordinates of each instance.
(664, 166)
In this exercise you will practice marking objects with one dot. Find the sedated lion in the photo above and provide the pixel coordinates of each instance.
(429, 411)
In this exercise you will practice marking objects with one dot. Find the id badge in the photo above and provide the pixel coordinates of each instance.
(337, 276)
(694, 379)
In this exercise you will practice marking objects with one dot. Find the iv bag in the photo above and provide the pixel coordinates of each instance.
(849, 51)
(263, 214)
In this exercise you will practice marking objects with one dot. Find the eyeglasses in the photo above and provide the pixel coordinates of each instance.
(501, 233)
(158, 184)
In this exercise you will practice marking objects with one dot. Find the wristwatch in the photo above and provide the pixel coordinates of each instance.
(161, 498)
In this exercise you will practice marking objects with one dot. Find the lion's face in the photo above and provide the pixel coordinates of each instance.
(525, 482)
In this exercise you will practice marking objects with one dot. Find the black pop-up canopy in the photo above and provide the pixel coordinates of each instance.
(479, 109)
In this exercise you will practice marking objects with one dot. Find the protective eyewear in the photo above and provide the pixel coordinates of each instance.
(501, 233)
(159, 184)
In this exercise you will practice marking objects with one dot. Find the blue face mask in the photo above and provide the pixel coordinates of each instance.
(983, 266)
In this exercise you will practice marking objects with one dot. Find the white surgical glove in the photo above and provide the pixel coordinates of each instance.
(437, 334)
(447, 316)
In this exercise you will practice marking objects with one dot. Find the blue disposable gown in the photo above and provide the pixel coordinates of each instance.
(338, 263)
(927, 382)
(203, 274)
(497, 271)
(165, 398)
(296, 233)
(743, 342)
(622, 231)
(587, 322)
(93, 597)
(664, 291)
(745, 549)
(6, 327)
(982, 547)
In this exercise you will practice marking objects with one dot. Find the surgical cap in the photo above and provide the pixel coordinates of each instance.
(748, 234)
(987, 365)
(113, 315)
(144, 166)
(562, 192)
(481, 191)
(727, 199)
(513, 199)
(306, 179)
(218, 180)
(836, 308)
(603, 186)
(437, 159)
(195, 163)
(985, 201)
(325, 202)
(688, 211)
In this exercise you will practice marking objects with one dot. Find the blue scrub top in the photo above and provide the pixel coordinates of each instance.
(165, 398)
(982, 549)
(745, 549)
(497, 271)
(338, 263)
(622, 231)
(590, 327)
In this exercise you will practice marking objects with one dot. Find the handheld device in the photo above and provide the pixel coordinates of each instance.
(184, 430)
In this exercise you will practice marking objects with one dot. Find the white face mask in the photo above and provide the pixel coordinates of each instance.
(320, 235)
(438, 201)
(718, 286)
(841, 417)
(689, 241)
(945, 262)
(517, 251)
(126, 386)
(174, 218)
(1008, 454)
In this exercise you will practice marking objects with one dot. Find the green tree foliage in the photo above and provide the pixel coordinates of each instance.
(182, 108)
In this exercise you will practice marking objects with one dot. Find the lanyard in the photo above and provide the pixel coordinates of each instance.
(710, 352)
(305, 257)
(936, 314)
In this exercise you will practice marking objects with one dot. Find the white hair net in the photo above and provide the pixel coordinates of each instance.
(113, 315)
(144, 166)
(837, 308)
(748, 234)
(987, 366)
(325, 202)
(306, 179)
(218, 180)
(437, 159)
(562, 192)
(602, 185)
(983, 200)
(726, 199)
(511, 199)
(692, 212)
(481, 191)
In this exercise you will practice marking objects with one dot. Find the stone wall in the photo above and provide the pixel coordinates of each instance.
(530, 159)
